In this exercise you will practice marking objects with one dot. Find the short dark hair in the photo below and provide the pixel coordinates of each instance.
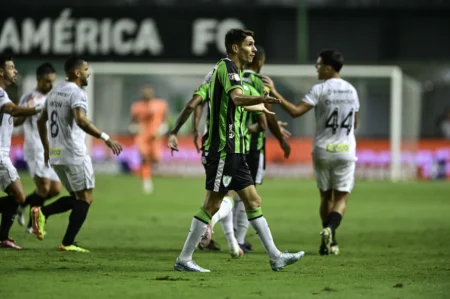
(260, 53)
(4, 59)
(236, 37)
(332, 58)
(73, 62)
(45, 69)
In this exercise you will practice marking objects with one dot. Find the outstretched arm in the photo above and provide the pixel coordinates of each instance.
(294, 110)
(241, 99)
(14, 110)
(87, 126)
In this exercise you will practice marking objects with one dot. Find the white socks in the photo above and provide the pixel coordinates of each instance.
(225, 208)
(198, 228)
(262, 229)
(241, 222)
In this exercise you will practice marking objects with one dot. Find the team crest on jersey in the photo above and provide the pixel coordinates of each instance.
(234, 77)
(226, 180)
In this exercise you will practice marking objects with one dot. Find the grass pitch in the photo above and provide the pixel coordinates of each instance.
(394, 240)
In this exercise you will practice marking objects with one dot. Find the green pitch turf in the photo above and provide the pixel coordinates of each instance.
(394, 240)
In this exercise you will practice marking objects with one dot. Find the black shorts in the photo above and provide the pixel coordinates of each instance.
(256, 161)
(225, 171)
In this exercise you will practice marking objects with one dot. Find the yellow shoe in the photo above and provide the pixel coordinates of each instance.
(38, 222)
(327, 238)
(74, 248)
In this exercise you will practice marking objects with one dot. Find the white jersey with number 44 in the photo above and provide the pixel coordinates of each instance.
(66, 139)
(335, 103)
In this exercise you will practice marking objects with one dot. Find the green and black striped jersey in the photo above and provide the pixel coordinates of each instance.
(255, 142)
(227, 124)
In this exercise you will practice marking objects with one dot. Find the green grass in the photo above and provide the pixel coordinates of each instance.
(394, 239)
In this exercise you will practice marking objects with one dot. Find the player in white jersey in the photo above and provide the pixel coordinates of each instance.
(336, 106)
(64, 147)
(45, 178)
(9, 178)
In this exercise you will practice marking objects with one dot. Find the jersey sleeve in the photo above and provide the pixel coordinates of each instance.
(313, 95)
(229, 76)
(78, 100)
(4, 99)
(202, 91)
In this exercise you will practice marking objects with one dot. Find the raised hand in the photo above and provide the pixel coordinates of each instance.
(270, 100)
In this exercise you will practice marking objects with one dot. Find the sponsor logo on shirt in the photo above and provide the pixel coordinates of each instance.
(234, 77)
(55, 152)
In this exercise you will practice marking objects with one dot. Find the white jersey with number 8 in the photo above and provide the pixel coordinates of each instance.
(66, 139)
(335, 103)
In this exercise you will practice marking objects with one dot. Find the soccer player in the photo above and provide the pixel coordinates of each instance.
(9, 178)
(336, 106)
(224, 158)
(45, 179)
(65, 111)
(224, 214)
(149, 117)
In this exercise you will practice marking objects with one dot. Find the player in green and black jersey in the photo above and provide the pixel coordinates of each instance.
(226, 168)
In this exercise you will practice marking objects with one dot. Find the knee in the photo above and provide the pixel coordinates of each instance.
(20, 198)
(86, 196)
(54, 191)
(254, 202)
(212, 206)
(44, 190)
(326, 196)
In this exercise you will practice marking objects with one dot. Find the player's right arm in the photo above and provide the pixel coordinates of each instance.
(228, 76)
(294, 110)
(198, 111)
(42, 129)
(19, 120)
(181, 119)
(14, 110)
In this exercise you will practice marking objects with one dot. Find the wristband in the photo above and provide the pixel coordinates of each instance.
(104, 136)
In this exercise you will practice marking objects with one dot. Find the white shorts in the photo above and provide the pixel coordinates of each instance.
(38, 168)
(8, 173)
(334, 174)
(76, 177)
